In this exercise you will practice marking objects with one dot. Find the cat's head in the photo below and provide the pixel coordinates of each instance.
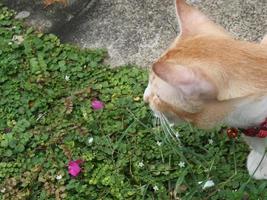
(205, 74)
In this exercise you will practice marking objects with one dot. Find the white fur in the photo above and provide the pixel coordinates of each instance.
(147, 93)
(251, 112)
(255, 167)
(256, 164)
(256, 144)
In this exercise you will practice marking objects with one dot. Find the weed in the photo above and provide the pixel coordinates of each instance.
(46, 121)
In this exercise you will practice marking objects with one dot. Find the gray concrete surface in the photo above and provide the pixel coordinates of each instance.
(49, 18)
(138, 31)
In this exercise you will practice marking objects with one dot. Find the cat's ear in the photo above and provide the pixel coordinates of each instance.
(191, 82)
(264, 40)
(193, 22)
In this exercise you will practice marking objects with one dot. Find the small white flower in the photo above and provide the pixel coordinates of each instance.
(67, 78)
(18, 39)
(3, 190)
(10, 43)
(159, 143)
(59, 177)
(90, 140)
(177, 135)
(141, 164)
(155, 188)
(181, 164)
(210, 141)
(207, 184)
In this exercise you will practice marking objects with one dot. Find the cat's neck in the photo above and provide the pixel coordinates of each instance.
(247, 112)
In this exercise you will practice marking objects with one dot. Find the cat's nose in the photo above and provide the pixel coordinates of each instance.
(146, 95)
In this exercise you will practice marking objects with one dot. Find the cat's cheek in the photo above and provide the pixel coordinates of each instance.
(160, 107)
(155, 105)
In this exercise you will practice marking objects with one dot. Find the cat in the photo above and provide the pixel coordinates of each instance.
(208, 78)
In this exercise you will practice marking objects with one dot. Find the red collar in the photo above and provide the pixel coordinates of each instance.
(259, 131)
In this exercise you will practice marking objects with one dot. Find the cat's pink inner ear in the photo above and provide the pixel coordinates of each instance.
(173, 74)
(193, 22)
(189, 81)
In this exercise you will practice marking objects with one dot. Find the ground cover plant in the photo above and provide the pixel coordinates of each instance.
(73, 128)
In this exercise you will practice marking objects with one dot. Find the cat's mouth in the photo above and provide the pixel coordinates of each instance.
(158, 111)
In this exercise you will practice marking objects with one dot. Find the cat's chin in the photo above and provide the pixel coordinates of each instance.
(170, 119)
(157, 114)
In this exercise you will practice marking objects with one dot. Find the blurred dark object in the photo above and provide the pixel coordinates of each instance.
(49, 15)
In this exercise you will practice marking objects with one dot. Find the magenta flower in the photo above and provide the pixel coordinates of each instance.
(74, 167)
(97, 105)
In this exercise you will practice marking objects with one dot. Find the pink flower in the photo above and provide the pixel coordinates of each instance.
(74, 167)
(97, 105)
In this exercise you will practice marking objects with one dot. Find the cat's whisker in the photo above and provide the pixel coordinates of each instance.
(151, 113)
(165, 127)
(150, 117)
(171, 131)
(158, 121)
(157, 118)
(164, 120)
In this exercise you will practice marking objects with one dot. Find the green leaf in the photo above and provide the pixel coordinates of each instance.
(8, 153)
(35, 67)
(20, 148)
(4, 143)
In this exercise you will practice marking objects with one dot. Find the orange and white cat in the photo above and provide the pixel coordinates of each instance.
(208, 78)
